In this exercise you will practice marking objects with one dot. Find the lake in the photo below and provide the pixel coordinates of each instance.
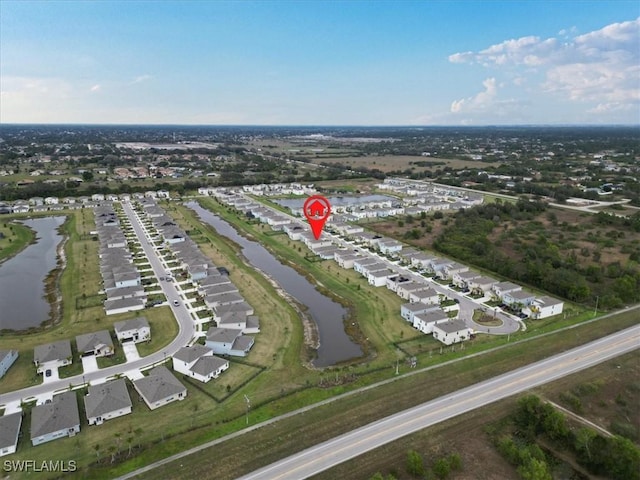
(22, 278)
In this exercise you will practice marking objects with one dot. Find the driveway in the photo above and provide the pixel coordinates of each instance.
(89, 364)
(53, 377)
(130, 351)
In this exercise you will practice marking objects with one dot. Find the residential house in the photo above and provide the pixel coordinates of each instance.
(543, 307)
(451, 331)
(52, 355)
(135, 330)
(378, 278)
(56, 419)
(7, 358)
(518, 299)
(9, 432)
(199, 362)
(481, 285)
(451, 269)
(98, 344)
(122, 305)
(159, 388)
(424, 322)
(228, 341)
(404, 291)
(106, 401)
(409, 310)
(499, 289)
(395, 281)
(426, 295)
(461, 279)
(345, 259)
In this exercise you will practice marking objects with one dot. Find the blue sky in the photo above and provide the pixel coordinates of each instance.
(320, 63)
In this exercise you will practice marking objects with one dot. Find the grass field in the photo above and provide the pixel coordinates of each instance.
(389, 163)
(13, 238)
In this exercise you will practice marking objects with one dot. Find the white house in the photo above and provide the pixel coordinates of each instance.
(543, 307)
(98, 344)
(159, 388)
(378, 278)
(106, 401)
(424, 322)
(409, 310)
(199, 362)
(451, 331)
(122, 305)
(56, 419)
(135, 330)
(228, 341)
(518, 299)
(52, 355)
(499, 289)
(426, 295)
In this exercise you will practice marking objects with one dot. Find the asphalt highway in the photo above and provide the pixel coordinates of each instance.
(340, 449)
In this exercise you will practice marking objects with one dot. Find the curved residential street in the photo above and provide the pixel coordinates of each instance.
(340, 449)
(186, 334)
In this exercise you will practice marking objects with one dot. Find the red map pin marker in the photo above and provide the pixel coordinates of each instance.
(317, 210)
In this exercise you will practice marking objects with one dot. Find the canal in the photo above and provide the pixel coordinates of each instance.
(335, 345)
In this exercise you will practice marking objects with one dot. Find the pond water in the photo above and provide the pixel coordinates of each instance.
(335, 344)
(22, 278)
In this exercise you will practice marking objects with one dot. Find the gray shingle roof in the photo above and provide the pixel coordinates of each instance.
(60, 350)
(191, 354)
(158, 385)
(452, 326)
(89, 341)
(132, 324)
(225, 335)
(106, 398)
(206, 365)
(9, 429)
(61, 414)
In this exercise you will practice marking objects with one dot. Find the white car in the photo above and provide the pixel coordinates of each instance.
(176, 303)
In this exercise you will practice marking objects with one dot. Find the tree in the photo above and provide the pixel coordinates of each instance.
(441, 468)
(415, 464)
(87, 176)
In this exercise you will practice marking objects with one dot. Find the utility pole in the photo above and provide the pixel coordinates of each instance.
(595, 312)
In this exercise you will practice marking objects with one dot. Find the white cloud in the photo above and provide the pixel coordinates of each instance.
(600, 67)
(141, 78)
(95, 88)
(478, 102)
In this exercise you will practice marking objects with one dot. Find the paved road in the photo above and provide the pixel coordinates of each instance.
(340, 449)
(187, 332)
(510, 323)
